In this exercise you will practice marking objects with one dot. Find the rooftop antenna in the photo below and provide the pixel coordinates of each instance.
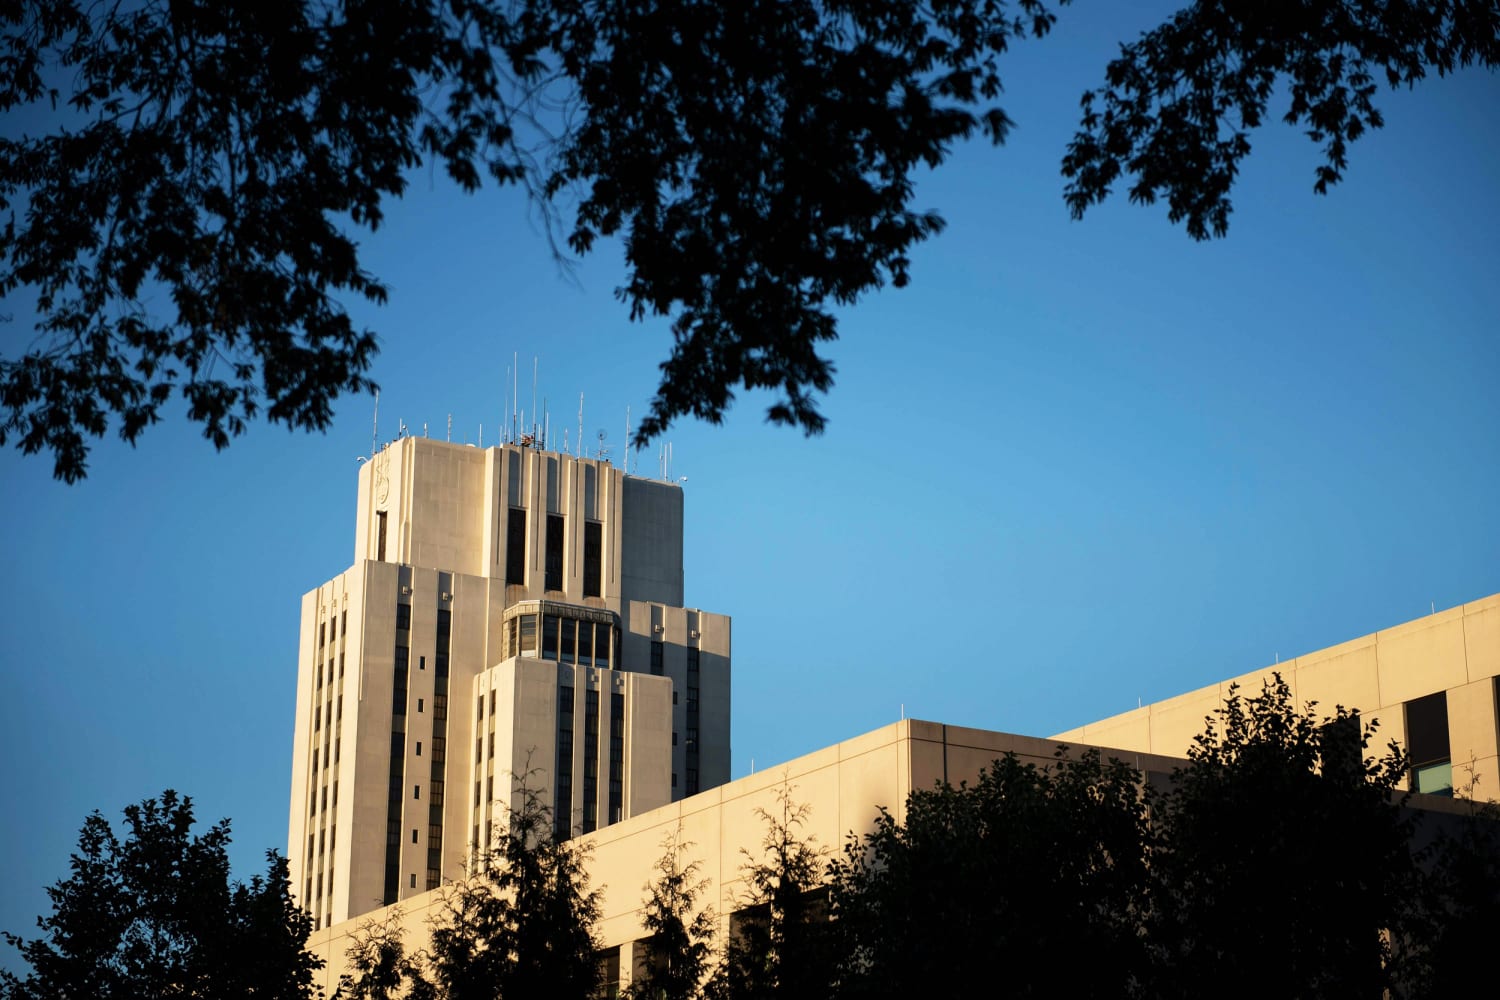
(424, 428)
(515, 397)
(375, 426)
(625, 459)
(505, 410)
(565, 440)
(534, 364)
(603, 452)
(546, 426)
(580, 427)
(481, 434)
(450, 428)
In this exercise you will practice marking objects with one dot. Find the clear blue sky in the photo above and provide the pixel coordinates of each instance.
(1072, 466)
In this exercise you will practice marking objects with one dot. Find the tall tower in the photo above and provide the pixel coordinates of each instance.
(511, 614)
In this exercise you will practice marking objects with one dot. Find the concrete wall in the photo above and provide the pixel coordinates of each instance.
(844, 787)
(1456, 651)
(679, 630)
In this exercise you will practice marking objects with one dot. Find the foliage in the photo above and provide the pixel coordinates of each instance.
(1180, 102)
(680, 939)
(379, 966)
(154, 914)
(1011, 881)
(521, 924)
(779, 944)
(1465, 917)
(188, 223)
(1284, 863)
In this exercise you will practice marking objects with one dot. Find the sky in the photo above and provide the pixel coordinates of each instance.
(1074, 467)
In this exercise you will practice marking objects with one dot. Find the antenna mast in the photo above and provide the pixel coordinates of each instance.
(375, 426)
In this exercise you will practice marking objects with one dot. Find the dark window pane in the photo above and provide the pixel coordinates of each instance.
(554, 576)
(549, 637)
(1427, 729)
(593, 558)
(658, 658)
(515, 546)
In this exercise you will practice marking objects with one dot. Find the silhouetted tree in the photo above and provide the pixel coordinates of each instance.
(1465, 898)
(520, 925)
(679, 933)
(779, 945)
(379, 967)
(1031, 881)
(1180, 103)
(189, 221)
(155, 915)
(1284, 863)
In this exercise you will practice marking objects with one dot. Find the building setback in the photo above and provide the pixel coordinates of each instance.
(510, 611)
(513, 611)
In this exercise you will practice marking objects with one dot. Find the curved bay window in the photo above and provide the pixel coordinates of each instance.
(563, 632)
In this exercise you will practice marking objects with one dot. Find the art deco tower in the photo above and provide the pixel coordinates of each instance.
(510, 611)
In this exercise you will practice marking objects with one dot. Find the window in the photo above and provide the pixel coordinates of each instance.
(550, 625)
(528, 635)
(419, 704)
(403, 617)
(421, 663)
(414, 880)
(419, 748)
(658, 658)
(414, 835)
(1427, 742)
(323, 634)
(586, 643)
(608, 962)
(515, 546)
(554, 573)
(593, 558)
(380, 536)
(416, 791)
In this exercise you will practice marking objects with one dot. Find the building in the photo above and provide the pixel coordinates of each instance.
(458, 557)
(509, 611)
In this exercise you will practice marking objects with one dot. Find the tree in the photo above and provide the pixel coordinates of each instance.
(189, 224)
(680, 934)
(779, 942)
(1285, 861)
(1034, 877)
(521, 924)
(755, 157)
(1465, 901)
(1180, 103)
(154, 914)
(379, 966)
